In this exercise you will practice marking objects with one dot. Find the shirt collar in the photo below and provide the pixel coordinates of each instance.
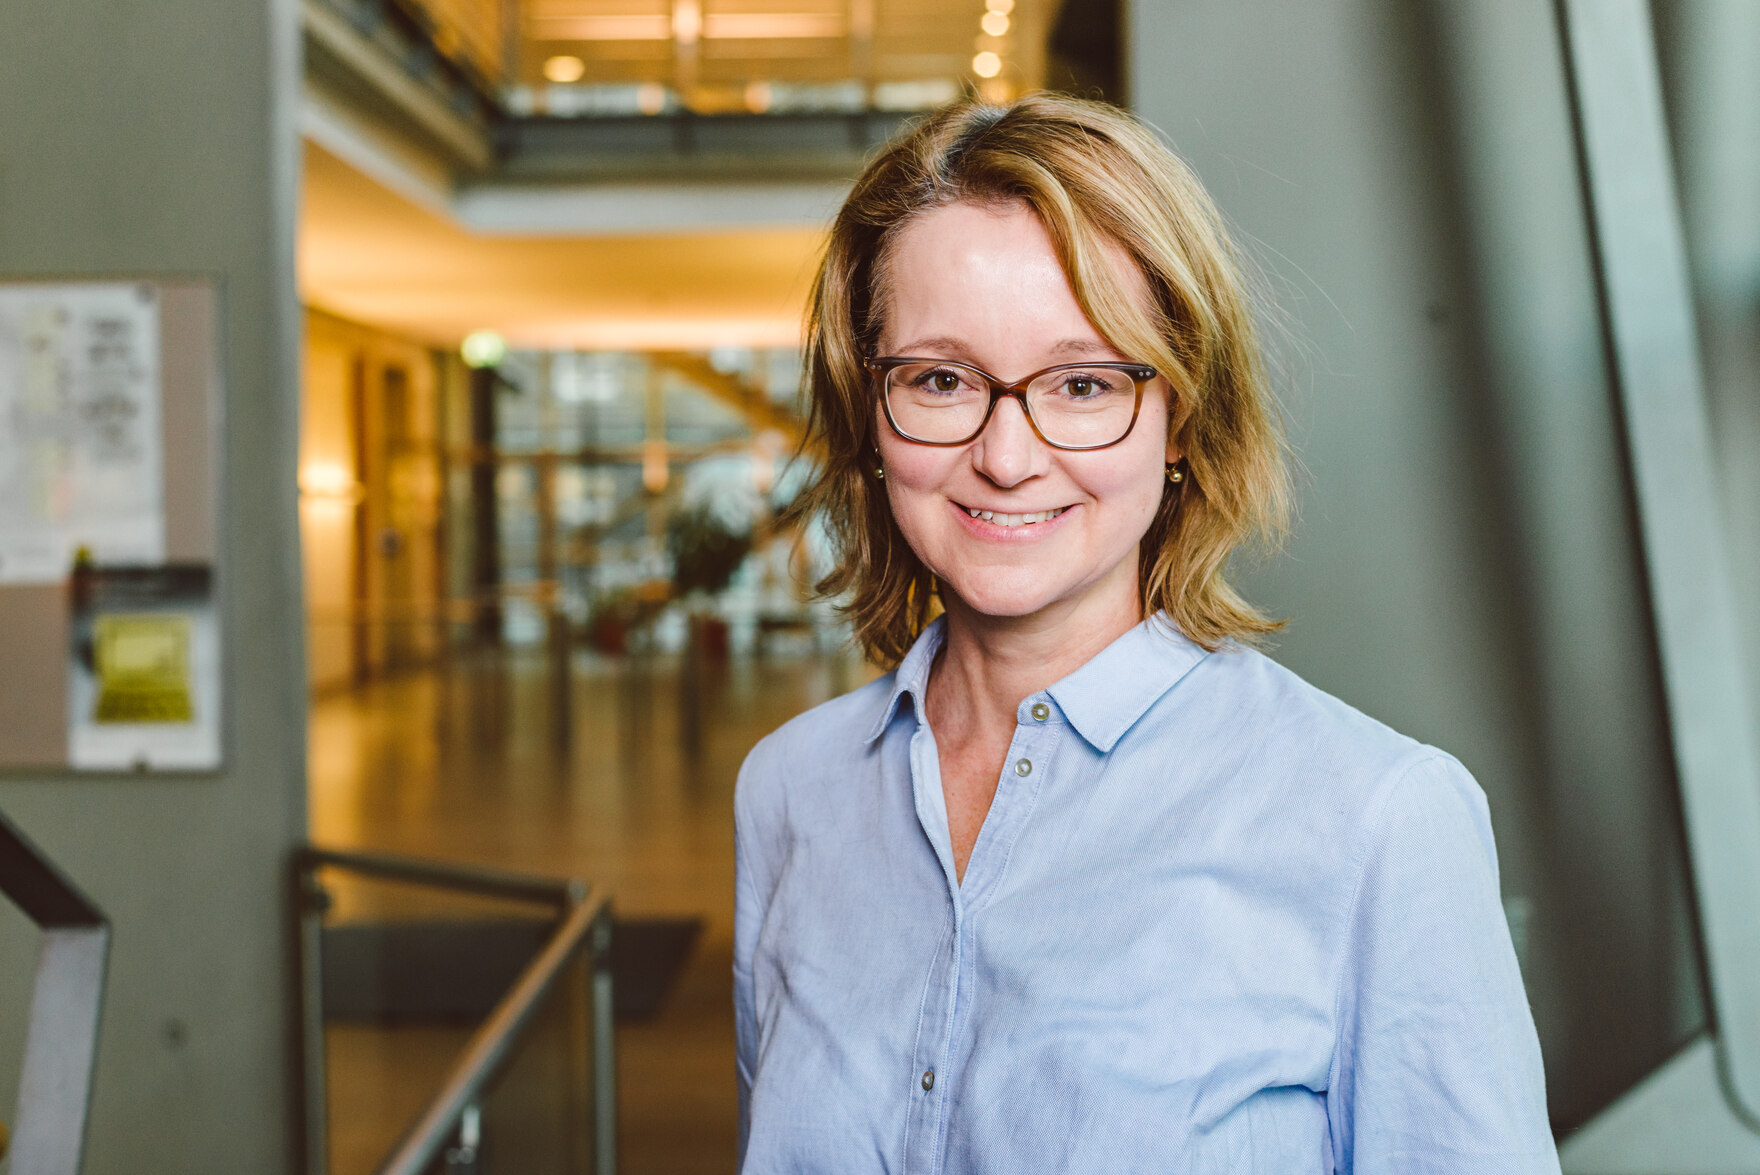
(1106, 696)
(1102, 699)
(912, 675)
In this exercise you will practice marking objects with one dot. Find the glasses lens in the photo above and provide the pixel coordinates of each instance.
(937, 402)
(1083, 406)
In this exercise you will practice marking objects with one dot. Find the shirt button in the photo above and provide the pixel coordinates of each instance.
(928, 1080)
(1041, 711)
(1023, 767)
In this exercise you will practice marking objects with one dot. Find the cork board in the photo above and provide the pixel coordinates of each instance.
(36, 618)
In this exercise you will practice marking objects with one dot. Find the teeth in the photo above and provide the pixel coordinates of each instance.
(1016, 519)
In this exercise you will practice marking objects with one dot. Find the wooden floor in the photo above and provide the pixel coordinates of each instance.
(463, 764)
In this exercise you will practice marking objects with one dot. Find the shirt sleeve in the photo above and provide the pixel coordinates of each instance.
(748, 917)
(1437, 1067)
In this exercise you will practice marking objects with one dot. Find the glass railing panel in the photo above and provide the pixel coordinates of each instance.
(379, 1077)
(538, 1116)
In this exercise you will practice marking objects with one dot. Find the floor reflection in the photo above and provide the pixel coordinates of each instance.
(469, 763)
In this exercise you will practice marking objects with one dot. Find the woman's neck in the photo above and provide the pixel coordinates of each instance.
(988, 664)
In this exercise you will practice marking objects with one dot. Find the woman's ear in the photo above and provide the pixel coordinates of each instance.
(1176, 424)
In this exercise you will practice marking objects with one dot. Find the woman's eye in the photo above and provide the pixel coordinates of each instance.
(1085, 387)
(941, 379)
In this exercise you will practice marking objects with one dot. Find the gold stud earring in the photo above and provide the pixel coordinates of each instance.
(880, 472)
(1175, 474)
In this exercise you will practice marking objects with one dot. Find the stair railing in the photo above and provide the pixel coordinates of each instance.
(448, 1130)
(61, 1042)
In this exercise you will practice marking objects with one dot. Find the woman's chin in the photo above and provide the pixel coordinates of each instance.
(1004, 600)
(1054, 588)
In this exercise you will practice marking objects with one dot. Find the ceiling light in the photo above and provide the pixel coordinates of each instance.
(994, 23)
(566, 69)
(483, 348)
(687, 21)
(986, 64)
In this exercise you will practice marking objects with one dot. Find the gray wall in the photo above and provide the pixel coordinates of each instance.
(160, 137)
(1465, 566)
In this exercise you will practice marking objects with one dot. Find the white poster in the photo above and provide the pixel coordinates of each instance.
(143, 690)
(80, 442)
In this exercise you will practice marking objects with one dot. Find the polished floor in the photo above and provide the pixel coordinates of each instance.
(464, 763)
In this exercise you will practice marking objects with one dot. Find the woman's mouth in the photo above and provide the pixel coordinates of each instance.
(1029, 519)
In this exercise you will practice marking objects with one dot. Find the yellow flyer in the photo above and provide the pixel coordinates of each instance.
(142, 668)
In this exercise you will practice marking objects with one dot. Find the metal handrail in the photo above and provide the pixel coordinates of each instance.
(482, 880)
(55, 1084)
(452, 1115)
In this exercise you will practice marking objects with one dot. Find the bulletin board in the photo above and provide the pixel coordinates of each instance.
(110, 404)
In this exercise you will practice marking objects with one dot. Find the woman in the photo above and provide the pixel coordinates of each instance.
(1085, 883)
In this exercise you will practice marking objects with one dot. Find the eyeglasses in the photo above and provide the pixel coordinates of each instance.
(1075, 406)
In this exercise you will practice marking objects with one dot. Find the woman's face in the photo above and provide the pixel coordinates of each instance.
(983, 286)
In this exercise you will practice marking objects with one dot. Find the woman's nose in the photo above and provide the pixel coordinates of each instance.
(1008, 451)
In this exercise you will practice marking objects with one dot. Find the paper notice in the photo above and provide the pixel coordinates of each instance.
(80, 443)
(143, 669)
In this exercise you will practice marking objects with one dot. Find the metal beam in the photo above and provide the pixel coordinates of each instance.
(61, 1045)
(1648, 318)
(61, 1041)
(750, 402)
(42, 891)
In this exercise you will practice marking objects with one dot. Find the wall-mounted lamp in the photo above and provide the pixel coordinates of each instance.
(565, 69)
(483, 348)
(328, 481)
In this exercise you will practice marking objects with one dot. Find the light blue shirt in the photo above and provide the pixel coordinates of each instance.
(1216, 921)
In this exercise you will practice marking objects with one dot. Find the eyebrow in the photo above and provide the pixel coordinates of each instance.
(953, 346)
(1081, 347)
(943, 343)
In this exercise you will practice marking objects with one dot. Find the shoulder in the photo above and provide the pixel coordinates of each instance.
(1313, 754)
(811, 745)
(1285, 704)
(1291, 716)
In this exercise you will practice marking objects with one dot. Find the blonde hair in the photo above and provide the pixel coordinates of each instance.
(1099, 180)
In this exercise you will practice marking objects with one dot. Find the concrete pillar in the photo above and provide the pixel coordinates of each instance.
(160, 138)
